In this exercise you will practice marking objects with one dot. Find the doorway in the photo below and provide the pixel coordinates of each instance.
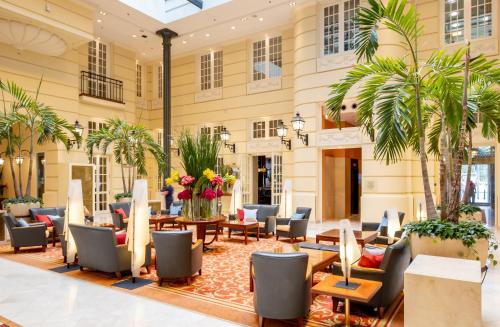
(86, 174)
(341, 183)
(40, 175)
(267, 177)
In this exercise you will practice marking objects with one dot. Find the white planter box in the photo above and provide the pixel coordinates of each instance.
(449, 248)
(21, 209)
(123, 200)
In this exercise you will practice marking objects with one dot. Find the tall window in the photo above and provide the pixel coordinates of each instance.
(95, 126)
(139, 80)
(267, 58)
(160, 81)
(97, 64)
(467, 19)
(211, 68)
(273, 127)
(339, 28)
(259, 129)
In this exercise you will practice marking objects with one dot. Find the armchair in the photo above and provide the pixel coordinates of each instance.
(176, 256)
(117, 218)
(266, 215)
(293, 228)
(391, 274)
(381, 228)
(55, 211)
(278, 295)
(24, 236)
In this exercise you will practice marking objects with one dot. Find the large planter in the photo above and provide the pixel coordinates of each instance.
(451, 248)
(21, 209)
(477, 216)
(124, 200)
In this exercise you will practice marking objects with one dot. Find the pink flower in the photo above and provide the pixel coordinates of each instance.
(217, 181)
(208, 194)
(219, 193)
(187, 180)
(184, 195)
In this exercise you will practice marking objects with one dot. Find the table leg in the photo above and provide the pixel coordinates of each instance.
(258, 233)
(317, 239)
(217, 232)
(229, 233)
(251, 278)
(246, 235)
(347, 313)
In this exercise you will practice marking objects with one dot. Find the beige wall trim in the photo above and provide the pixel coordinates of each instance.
(99, 102)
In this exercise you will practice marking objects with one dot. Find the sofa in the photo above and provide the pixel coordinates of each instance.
(391, 273)
(97, 249)
(34, 234)
(57, 211)
(293, 228)
(266, 215)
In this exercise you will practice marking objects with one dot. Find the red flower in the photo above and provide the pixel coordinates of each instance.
(187, 180)
(219, 193)
(184, 195)
(217, 181)
(208, 194)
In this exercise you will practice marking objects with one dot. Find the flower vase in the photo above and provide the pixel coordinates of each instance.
(186, 209)
(195, 207)
(206, 208)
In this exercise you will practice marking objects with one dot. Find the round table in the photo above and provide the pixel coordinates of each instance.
(201, 227)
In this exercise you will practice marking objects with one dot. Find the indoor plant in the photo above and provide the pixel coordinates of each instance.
(123, 197)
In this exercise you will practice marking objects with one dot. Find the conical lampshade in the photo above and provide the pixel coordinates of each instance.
(236, 198)
(286, 200)
(349, 252)
(138, 226)
(74, 215)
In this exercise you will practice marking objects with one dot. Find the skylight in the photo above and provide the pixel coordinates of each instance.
(167, 11)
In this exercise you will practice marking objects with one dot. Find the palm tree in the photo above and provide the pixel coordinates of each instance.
(397, 95)
(130, 143)
(28, 122)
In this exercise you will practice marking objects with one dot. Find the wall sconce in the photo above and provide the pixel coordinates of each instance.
(79, 131)
(172, 148)
(298, 125)
(225, 136)
(2, 160)
(19, 160)
(282, 130)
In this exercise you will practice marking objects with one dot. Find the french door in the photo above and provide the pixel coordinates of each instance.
(101, 182)
(276, 178)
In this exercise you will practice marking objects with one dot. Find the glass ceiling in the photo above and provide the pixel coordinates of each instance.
(167, 11)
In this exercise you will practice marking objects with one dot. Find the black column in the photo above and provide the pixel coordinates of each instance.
(167, 35)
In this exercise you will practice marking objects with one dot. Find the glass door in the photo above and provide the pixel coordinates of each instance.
(101, 173)
(85, 173)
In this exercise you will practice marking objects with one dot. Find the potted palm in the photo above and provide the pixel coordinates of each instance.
(426, 106)
(130, 144)
(27, 123)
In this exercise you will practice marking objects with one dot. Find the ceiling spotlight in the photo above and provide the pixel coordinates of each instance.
(207, 35)
(102, 13)
(184, 42)
(261, 18)
(134, 36)
(244, 19)
(99, 20)
(191, 35)
(233, 27)
(291, 4)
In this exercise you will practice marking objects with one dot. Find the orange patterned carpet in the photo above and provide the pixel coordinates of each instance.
(223, 289)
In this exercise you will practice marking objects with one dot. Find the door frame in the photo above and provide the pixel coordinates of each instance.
(75, 164)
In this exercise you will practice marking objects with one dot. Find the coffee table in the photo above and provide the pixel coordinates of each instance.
(318, 259)
(333, 235)
(201, 227)
(163, 219)
(364, 293)
(242, 226)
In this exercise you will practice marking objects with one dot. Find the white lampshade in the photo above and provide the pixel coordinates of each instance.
(286, 200)
(393, 224)
(236, 198)
(78, 128)
(298, 122)
(225, 135)
(348, 248)
(74, 215)
(281, 130)
(138, 226)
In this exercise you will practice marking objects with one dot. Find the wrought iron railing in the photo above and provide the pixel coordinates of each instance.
(101, 87)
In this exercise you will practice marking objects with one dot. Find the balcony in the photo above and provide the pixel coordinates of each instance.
(95, 88)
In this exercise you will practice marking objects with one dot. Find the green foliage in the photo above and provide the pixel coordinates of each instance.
(119, 196)
(197, 153)
(467, 231)
(468, 209)
(24, 199)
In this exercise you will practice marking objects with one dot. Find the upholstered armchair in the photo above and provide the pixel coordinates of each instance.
(279, 295)
(176, 256)
(117, 218)
(293, 228)
(266, 215)
(59, 211)
(25, 236)
(391, 274)
(381, 228)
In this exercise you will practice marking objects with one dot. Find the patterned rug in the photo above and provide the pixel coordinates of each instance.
(4, 322)
(223, 289)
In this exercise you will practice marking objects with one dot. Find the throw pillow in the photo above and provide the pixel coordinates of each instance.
(44, 219)
(250, 215)
(22, 223)
(297, 216)
(175, 210)
(372, 257)
(121, 212)
(121, 238)
(241, 214)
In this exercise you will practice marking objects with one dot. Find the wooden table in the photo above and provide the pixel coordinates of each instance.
(243, 226)
(364, 293)
(201, 227)
(333, 235)
(318, 259)
(163, 219)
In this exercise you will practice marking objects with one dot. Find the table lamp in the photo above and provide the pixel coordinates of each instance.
(74, 215)
(236, 197)
(349, 253)
(393, 224)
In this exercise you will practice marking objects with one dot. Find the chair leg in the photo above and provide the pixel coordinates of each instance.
(381, 312)
(262, 321)
(16, 249)
(160, 281)
(300, 322)
(188, 281)
(335, 303)
(277, 237)
(199, 272)
(44, 248)
(118, 275)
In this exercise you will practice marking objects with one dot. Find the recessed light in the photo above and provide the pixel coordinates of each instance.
(244, 19)
(233, 27)
(261, 18)
(191, 35)
(134, 36)
(207, 35)
(99, 20)
(291, 4)
(98, 38)
(102, 13)
(184, 41)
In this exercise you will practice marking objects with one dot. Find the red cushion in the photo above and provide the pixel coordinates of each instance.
(241, 214)
(371, 257)
(120, 238)
(121, 212)
(44, 219)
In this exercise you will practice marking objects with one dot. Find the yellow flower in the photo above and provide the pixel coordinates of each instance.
(230, 179)
(174, 175)
(209, 174)
(169, 181)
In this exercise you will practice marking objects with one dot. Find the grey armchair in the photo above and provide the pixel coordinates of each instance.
(176, 256)
(391, 274)
(293, 228)
(59, 211)
(381, 228)
(59, 230)
(97, 249)
(117, 218)
(33, 235)
(278, 295)
(266, 215)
